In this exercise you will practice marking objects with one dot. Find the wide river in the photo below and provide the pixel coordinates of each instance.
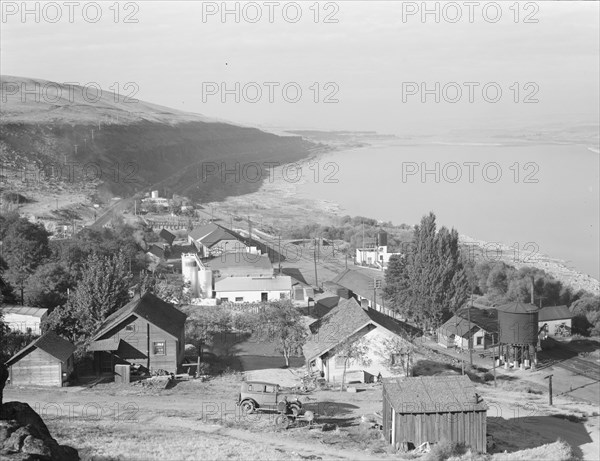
(540, 198)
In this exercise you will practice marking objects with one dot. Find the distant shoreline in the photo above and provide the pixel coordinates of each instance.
(278, 192)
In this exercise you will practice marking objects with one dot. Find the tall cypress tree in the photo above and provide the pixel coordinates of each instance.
(430, 281)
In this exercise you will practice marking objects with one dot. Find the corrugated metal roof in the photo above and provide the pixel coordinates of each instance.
(554, 313)
(278, 283)
(433, 394)
(50, 343)
(24, 310)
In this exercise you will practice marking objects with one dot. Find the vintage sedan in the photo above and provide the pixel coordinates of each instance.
(256, 395)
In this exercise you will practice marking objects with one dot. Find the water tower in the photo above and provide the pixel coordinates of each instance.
(518, 334)
(382, 238)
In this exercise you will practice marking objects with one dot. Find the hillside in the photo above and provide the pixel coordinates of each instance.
(144, 142)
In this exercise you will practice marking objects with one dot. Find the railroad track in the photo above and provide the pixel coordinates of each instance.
(581, 367)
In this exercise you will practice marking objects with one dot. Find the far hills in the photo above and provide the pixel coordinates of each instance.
(44, 122)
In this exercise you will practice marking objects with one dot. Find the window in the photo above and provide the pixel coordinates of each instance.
(130, 327)
(224, 300)
(479, 340)
(159, 348)
(396, 359)
(270, 389)
(282, 296)
(239, 299)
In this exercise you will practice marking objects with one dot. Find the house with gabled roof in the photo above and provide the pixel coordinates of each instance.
(47, 361)
(470, 325)
(146, 331)
(359, 283)
(213, 240)
(350, 321)
(424, 409)
(555, 320)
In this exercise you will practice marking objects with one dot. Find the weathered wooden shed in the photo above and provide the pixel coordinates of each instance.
(47, 361)
(432, 408)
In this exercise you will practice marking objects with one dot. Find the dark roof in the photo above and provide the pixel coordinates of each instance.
(295, 274)
(167, 236)
(343, 321)
(156, 251)
(211, 234)
(151, 308)
(554, 313)
(50, 343)
(518, 308)
(432, 394)
(485, 319)
(360, 282)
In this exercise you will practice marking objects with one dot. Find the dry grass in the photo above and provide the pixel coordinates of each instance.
(557, 451)
(120, 441)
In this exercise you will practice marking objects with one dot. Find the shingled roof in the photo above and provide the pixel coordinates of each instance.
(348, 318)
(50, 343)
(151, 308)
(432, 394)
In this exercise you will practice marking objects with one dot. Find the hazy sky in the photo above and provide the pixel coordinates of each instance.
(172, 51)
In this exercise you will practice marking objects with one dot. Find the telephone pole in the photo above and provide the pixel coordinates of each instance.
(279, 254)
(470, 340)
(315, 259)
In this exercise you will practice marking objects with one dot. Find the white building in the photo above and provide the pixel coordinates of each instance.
(253, 290)
(24, 318)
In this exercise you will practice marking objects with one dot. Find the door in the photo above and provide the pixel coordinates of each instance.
(264, 297)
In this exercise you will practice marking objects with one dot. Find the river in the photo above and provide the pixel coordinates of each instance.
(539, 198)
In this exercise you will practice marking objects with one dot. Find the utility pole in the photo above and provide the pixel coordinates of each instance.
(549, 378)
(315, 259)
(279, 255)
(494, 362)
(470, 340)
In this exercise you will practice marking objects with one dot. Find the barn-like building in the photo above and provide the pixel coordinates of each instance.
(433, 408)
(47, 361)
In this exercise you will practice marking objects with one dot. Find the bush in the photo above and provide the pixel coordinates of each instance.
(443, 450)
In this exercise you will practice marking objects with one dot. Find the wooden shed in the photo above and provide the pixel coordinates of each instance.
(433, 408)
(47, 361)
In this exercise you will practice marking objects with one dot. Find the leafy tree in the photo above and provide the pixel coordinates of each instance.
(284, 324)
(48, 286)
(431, 280)
(587, 315)
(398, 354)
(353, 350)
(24, 248)
(101, 291)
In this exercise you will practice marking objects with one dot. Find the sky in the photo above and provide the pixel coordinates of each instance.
(370, 60)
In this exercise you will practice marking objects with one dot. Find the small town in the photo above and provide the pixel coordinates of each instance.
(323, 230)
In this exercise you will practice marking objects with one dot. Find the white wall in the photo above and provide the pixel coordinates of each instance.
(251, 296)
(376, 353)
(553, 324)
(19, 322)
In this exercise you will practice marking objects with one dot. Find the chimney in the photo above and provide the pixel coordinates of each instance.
(532, 288)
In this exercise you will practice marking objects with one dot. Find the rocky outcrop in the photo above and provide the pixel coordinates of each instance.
(25, 437)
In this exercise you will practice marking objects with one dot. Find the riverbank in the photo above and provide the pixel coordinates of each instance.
(280, 205)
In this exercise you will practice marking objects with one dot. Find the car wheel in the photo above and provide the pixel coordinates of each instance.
(281, 421)
(248, 406)
(295, 410)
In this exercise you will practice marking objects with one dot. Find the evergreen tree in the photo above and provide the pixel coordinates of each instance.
(431, 281)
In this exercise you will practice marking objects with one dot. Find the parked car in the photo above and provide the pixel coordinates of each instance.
(256, 395)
